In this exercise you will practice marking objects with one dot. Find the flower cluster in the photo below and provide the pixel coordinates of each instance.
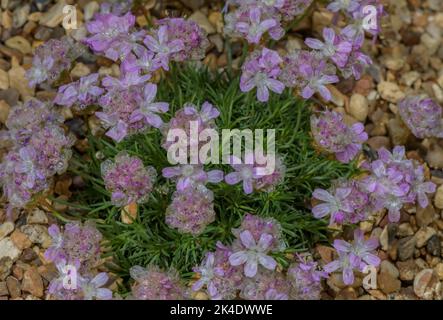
(305, 278)
(423, 116)
(51, 59)
(266, 285)
(82, 93)
(261, 70)
(309, 72)
(128, 102)
(189, 175)
(151, 283)
(312, 70)
(191, 209)
(356, 256)
(253, 19)
(128, 180)
(254, 173)
(192, 206)
(332, 134)
(194, 41)
(130, 109)
(75, 253)
(346, 202)
(220, 278)
(175, 39)
(247, 269)
(393, 181)
(186, 119)
(40, 150)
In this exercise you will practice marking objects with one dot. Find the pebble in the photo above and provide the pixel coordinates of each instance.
(439, 270)
(3, 289)
(216, 19)
(347, 294)
(384, 239)
(37, 216)
(423, 235)
(6, 19)
(14, 287)
(408, 269)
(202, 20)
(17, 80)
(338, 98)
(388, 278)
(378, 142)
(5, 229)
(9, 249)
(359, 107)
(390, 91)
(32, 282)
(90, 9)
(10, 95)
(28, 255)
(21, 240)
(43, 33)
(54, 16)
(425, 216)
(434, 157)
(426, 284)
(404, 230)
(80, 70)
(38, 234)
(398, 131)
(431, 43)
(410, 77)
(20, 16)
(48, 271)
(406, 248)
(5, 267)
(434, 246)
(4, 111)
(4, 80)
(19, 43)
(438, 92)
(217, 41)
(438, 200)
(394, 64)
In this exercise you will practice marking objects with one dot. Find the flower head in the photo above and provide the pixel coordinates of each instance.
(256, 238)
(189, 175)
(261, 70)
(128, 180)
(217, 275)
(193, 37)
(423, 116)
(187, 118)
(335, 47)
(92, 287)
(332, 134)
(151, 283)
(254, 29)
(305, 278)
(110, 34)
(191, 210)
(83, 92)
(51, 59)
(149, 109)
(163, 46)
(355, 256)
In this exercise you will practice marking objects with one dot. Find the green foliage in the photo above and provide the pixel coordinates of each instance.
(149, 239)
